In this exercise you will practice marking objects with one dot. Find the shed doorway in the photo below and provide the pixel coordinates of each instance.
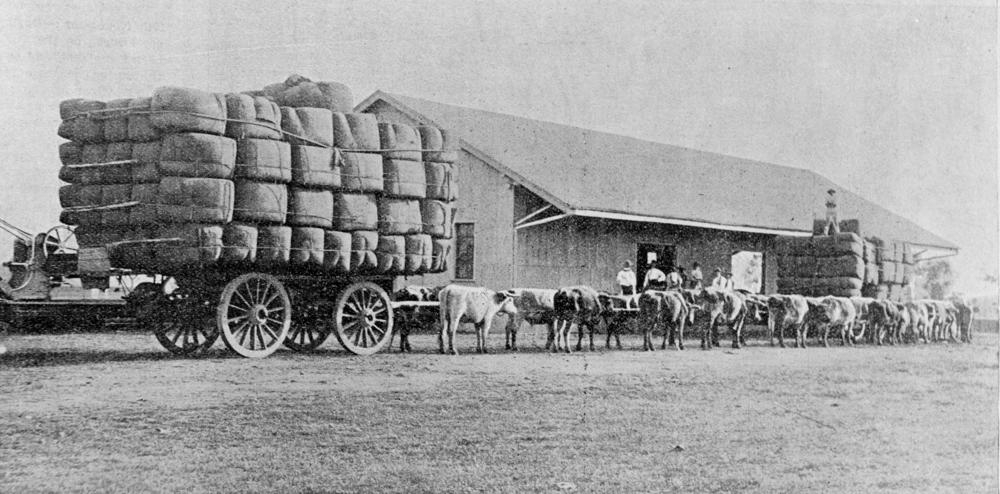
(646, 254)
(748, 271)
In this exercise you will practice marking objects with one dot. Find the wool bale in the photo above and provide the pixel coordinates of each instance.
(849, 265)
(332, 96)
(899, 274)
(108, 171)
(116, 122)
(356, 131)
(402, 141)
(252, 117)
(355, 212)
(363, 245)
(399, 216)
(436, 217)
(404, 178)
(186, 246)
(197, 155)
(868, 251)
(146, 155)
(263, 160)
(307, 247)
(850, 226)
(419, 254)
(439, 145)
(260, 202)
(310, 207)
(307, 126)
(896, 293)
(176, 110)
(845, 292)
(80, 196)
(838, 282)
(871, 273)
(148, 197)
(140, 125)
(78, 124)
(71, 153)
(126, 245)
(837, 244)
(337, 251)
(796, 266)
(194, 200)
(361, 172)
(116, 195)
(391, 254)
(274, 245)
(907, 273)
(98, 236)
(314, 166)
(797, 246)
(440, 250)
(239, 243)
(439, 177)
(819, 227)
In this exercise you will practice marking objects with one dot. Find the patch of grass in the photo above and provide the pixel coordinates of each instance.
(110, 412)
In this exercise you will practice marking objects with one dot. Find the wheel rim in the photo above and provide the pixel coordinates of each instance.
(60, 240)
(254, 315)
(363, 322)
(181, 322)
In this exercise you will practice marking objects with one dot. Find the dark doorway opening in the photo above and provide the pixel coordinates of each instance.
(663, 255)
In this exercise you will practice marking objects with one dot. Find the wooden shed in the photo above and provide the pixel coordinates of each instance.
(546, 205)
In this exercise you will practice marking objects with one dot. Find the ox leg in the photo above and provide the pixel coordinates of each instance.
(444, 328)
(579, 336)
(826, 333)
(452, 330)
(667, 335)
(591, 326)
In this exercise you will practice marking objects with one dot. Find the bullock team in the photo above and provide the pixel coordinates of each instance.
(854, 319)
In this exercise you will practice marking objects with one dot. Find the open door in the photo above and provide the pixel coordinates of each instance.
(646, 254)
(748, 271)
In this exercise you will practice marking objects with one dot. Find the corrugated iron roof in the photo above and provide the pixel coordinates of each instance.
(581, 169)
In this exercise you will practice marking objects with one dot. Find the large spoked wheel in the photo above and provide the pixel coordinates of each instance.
(254, 315)
(181, 321)
(363, 318)
(310, 324)
(60, 240)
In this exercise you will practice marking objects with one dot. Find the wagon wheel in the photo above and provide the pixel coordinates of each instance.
(181, 321)
(309, 327)
(254, 315)
(363, 319)
(60, 240)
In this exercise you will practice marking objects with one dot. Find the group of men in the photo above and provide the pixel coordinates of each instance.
(674, 279)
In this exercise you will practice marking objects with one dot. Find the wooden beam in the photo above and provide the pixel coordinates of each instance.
(532, 215)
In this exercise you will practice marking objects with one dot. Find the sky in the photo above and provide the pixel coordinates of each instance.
(894, 100)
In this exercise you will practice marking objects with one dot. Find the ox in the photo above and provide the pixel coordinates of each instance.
(471, 305)
(787, 311)
(615, 309)
(536, 306)
(836, 312)
(579, 305)
(663, 308)
(723, 307)
(408, 318)
(918, 320)
(964, 314)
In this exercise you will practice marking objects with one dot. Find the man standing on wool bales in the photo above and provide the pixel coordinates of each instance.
(832, 225)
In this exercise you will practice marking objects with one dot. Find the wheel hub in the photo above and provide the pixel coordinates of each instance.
(258, 314)
(369, 317)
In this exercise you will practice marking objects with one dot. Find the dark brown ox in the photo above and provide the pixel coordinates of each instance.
(474, 305)
(412, 317)
(580, 306)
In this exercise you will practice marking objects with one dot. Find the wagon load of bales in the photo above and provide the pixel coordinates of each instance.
(283, 178)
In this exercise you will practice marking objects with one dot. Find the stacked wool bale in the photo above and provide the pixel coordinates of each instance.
(895, 267)
(190, 179)
(821, 265)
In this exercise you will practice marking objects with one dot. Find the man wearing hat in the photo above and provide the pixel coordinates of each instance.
(832, 225)
(626, 280)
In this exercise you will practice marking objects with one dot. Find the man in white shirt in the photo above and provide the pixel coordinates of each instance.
(655, 279)
(718, 281)
(626, 279)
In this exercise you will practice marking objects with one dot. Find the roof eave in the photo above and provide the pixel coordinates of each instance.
(591, 213)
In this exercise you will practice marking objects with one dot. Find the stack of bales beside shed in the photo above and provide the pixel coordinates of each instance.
(191, 179)
(821, 265)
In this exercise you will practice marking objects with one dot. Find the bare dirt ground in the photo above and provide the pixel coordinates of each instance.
(113, 412)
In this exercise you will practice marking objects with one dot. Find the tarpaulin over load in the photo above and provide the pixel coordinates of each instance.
(282, 179)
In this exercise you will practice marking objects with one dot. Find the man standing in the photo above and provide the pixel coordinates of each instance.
(696, 277)
(626, 280)
(832, 225)
(718, 281)
(655, 279)
(674, 279)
